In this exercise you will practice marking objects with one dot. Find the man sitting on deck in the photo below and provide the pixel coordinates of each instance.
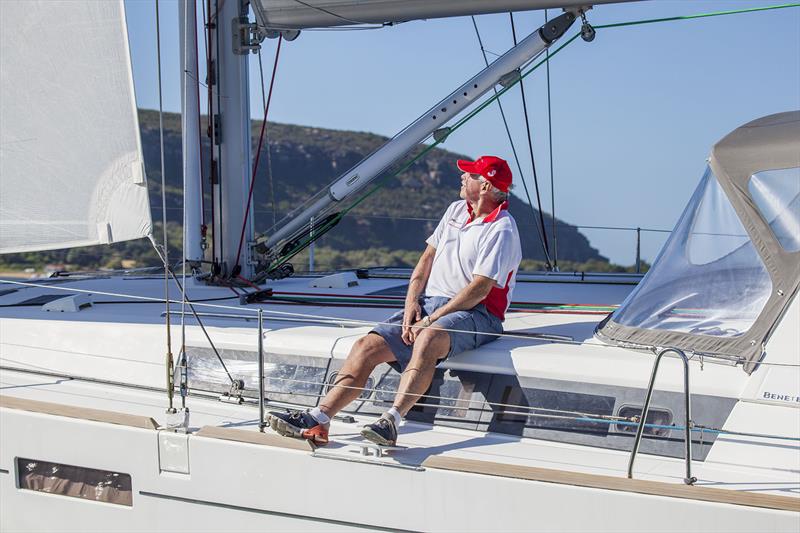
(457, 298)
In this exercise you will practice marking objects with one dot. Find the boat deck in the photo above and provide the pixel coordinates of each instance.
(426, 446)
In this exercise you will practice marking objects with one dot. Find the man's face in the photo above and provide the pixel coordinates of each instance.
(470, 187)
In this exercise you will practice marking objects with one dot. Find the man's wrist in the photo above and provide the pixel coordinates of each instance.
(426, 321)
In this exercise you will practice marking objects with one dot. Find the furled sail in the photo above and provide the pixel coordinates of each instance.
(71, 164)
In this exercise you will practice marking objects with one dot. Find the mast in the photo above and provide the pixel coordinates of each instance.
(190, 125)
(231, 115)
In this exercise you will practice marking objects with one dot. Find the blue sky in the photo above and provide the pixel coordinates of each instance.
(634, 112)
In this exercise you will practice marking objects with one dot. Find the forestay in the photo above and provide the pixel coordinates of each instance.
(71, 165)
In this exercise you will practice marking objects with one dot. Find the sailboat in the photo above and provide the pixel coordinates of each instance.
(611, 402)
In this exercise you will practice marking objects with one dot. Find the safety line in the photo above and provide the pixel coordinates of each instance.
(526, 410)
(716, 358)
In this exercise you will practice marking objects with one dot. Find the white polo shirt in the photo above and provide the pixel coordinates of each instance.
(464, 247)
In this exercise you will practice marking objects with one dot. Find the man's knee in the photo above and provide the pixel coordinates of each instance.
(431, 345)
(371, 349)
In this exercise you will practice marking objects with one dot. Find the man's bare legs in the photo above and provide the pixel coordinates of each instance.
(368, 352)
(430, 345)
(371, 350)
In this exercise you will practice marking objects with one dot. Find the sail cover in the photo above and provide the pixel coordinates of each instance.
(71, 165)
(294, 14)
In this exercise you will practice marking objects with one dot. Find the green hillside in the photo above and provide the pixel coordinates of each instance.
(389, 227)
(303, 160)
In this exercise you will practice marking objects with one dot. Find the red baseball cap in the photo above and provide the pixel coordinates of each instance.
(494, 169)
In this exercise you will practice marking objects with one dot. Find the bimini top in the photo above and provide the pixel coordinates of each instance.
(732, 264)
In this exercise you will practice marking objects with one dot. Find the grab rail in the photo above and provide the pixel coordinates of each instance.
(261, 423)
(689, 479)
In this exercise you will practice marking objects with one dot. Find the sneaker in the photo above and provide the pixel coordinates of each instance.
(300, 425)
(382, 432)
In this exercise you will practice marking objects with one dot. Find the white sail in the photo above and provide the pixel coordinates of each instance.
(71, 164)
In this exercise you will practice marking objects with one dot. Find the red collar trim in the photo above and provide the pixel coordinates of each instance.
(491, 217)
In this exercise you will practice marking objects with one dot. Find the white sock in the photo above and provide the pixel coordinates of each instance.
(319, 416)
(394, 415)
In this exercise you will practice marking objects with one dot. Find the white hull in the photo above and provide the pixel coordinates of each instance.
(449, 479)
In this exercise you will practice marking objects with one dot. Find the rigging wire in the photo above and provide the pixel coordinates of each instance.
(514, 150)
(530, 149)
(267, 148)
(202, 327)
(169, 362)
(199, 134)
(258, 151)
(217, 166)
(212, 170)
(550, 147)
(380, 182)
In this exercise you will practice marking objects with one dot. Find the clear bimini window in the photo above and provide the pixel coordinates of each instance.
(709, 279)
(776, 193)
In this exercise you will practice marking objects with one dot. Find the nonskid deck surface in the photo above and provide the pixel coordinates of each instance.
(107, 341)
(366, 301)
(423, 442)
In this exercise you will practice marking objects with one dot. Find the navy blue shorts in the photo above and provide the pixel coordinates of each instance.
(479, 326)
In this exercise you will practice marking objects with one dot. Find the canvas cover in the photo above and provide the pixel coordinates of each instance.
(752, 189)
(71, 165)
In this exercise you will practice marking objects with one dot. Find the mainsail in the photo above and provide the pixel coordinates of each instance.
(71, 164)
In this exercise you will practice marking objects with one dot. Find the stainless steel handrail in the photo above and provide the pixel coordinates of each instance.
(261, 423)
(689, 479)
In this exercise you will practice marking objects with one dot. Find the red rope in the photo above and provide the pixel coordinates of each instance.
(250, 283)
(258, 152)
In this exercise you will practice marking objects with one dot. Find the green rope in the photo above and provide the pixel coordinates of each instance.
(698, 16)
(382, 181)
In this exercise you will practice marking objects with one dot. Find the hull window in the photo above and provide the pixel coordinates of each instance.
(74, 481)
(657, 417)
